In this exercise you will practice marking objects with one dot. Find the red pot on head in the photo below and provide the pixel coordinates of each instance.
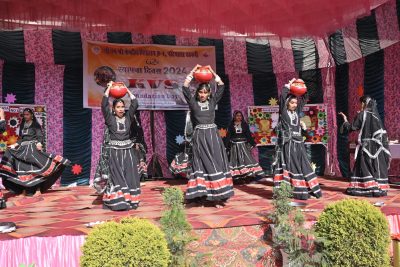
(298, 87)
(203, 75)
(118, 90)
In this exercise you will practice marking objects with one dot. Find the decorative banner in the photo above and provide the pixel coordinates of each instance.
(154, 73)
(13, 116)
(263, 120)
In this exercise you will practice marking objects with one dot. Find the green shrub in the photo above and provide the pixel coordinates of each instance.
(289, 233)
(132, 242)
(176, 227)
(355, 233)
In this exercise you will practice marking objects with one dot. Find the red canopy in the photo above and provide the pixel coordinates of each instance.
(208, 18)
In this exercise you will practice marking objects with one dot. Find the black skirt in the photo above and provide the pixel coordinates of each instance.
(242, 163)
(122, 190)
(370, 175)
(210, 177)
(27, 168)
(292, 166)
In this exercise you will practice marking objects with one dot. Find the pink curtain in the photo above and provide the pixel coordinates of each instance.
(328, 83)
(392, 120)
(60, 251)
(207, 18)
(235, 56)
(49, 91)
(387, 24)
(356, 79)
(97, 117)
(282, 54)
(38, 46)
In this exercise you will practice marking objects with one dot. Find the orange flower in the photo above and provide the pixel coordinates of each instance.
(222, 132)
(12, 140)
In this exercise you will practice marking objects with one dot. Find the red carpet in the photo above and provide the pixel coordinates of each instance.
(65, 211)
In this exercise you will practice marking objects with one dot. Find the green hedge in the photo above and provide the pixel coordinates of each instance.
(132, 242)
(355, 233)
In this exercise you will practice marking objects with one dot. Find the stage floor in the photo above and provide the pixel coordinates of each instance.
(65, 211)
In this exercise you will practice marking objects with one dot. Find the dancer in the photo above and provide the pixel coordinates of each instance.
(137, 137)
(25, 167)
(181, 165)
(291, 164)
(370, 173)
(239, 143)
(210, 179)
(122, 189)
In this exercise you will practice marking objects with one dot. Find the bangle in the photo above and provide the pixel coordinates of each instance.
(189, 78)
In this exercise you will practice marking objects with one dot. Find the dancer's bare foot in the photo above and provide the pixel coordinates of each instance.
(37, 194)
(219, 204)
(19, 196)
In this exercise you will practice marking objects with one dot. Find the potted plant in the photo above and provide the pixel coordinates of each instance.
(297, 244)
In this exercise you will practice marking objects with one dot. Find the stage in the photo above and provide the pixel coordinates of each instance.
(54, 223)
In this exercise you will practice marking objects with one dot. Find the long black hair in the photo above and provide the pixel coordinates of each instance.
(116, 101)
(371, 106)
(35, 123)
(202, 86)
(243, 123)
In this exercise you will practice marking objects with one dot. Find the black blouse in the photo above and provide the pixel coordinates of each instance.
(206, 114)
(289, 124)
(119, 129)
(241, 133)
(30, 133)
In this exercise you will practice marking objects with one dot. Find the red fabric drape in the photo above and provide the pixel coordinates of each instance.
(187, 17)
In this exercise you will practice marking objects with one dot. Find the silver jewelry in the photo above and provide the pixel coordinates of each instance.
(294, 119)
(120, 124)
(203, 105)
(238, 128)
(25, 130)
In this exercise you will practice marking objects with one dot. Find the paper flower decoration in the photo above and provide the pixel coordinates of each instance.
(321, 115)
(260, 115)
(3, 146)
(222, 132)
(76, 169)
(5, 133)
(267, 116)
(263, 141)
(274, 139)
(320, 131)
(253, 128)
(324, 139)
(316, 139)
(273, 101)
(179, 139)
(321, 123)
(252, 120)
(13, 122)
(12, 140)
(321, 107)
(10, 98)
(39, 109)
